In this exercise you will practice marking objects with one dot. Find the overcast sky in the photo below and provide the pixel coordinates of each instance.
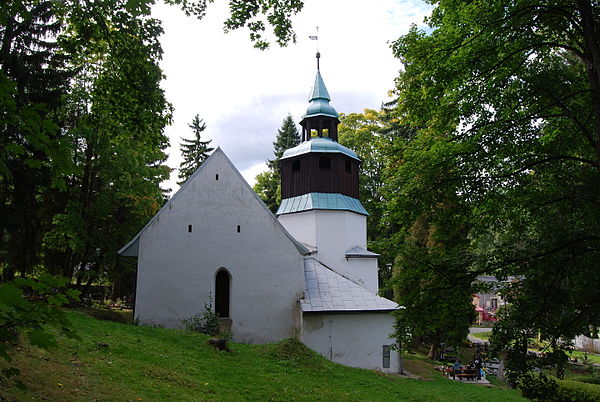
(243, 94)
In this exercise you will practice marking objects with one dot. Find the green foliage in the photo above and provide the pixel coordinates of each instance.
(505, 97)
(268, 188)
(540, 387)
(103, 113)
(31, 306)
(375, 137)
(255, 15)
(268, 185)
(206, 322)
(287, 137)
(194, 151)
(82, 129)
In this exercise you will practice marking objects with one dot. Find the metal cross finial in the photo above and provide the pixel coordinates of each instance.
(318, 54)
(316, 37)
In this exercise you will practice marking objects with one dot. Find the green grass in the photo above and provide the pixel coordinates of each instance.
(144, 363)
(592, 358)
(482, 335)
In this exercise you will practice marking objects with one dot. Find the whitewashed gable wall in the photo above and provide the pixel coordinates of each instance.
(176, 268)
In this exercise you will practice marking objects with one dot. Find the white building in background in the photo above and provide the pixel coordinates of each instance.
(306, 273)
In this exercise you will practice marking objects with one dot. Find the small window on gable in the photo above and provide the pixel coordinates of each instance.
(189, 228)
(348, 167)
(217, 176)
(325, 162)
(296, 165)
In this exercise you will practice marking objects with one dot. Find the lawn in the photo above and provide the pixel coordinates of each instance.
(114, 361)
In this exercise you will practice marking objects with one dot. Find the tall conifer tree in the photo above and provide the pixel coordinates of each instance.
(268, 185)
(194, 151)
(287, 137)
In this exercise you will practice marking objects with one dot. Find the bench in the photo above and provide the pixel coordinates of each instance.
(464, 373)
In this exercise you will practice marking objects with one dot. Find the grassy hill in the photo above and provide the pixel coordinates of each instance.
(122, 362)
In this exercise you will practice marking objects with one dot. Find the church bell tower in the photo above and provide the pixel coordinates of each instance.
(320, 205)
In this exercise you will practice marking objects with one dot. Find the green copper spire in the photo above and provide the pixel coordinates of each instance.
(319, 90)
(319, 98)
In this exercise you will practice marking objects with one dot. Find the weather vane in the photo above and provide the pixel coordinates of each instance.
(316, 37)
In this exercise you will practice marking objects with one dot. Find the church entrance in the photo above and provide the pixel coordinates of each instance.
(222, 290)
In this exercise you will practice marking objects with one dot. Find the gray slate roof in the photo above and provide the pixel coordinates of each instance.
(326, 290)
(359, 252)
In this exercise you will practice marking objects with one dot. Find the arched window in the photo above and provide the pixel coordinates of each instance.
(222, 288)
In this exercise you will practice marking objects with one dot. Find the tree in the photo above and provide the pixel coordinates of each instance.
(507, 99)
(34, 153)
(268, 184)
(194, 151)
(82, 144)
(268, 188)
(372, 135)
(115, 115)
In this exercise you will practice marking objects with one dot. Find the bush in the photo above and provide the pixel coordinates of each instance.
(570, 390)
(540, 387)
(206, 322)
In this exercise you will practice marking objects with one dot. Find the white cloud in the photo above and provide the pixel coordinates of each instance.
(244, 94)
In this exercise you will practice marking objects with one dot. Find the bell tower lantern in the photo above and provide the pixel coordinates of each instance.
(320, 167)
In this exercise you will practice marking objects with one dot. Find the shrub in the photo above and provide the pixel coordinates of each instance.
(540, 387)
(570, 390)
(206, 322)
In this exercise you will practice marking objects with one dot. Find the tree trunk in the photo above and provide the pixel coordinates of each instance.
(433, 351)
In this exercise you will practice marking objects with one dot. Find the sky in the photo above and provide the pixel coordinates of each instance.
(243, 94)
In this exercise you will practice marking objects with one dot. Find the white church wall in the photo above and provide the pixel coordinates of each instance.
(301, 225)
(177, 268)
(352, 339)
(334, 232)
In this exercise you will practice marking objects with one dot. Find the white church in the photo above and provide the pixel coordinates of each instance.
(305, 272)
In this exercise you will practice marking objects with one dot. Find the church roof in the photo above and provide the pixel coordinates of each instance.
(307, 202)
(131, 249)
(319, 144)
(359, 252)
(327, 291)
(319, 100)
(319, 91)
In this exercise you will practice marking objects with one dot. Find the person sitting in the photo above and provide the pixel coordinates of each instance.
(455, 368)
